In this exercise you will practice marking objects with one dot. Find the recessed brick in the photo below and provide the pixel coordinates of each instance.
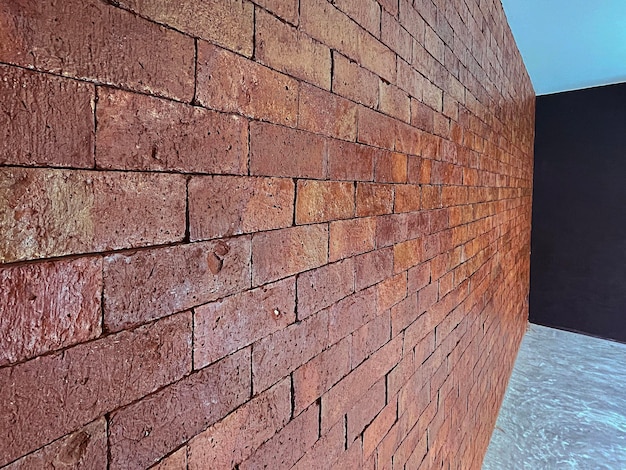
(229, 23)
(287, 49)
(281, 253)
(321, 287)
(46, 120)
(222, 206)
(145, 285)
(233, 323)
(60, 212)
(141, 433)
(228, 82)
(351, 237)
(325, 113)
(322, 201)
(138, 132)
(62, 391)
(48, 306)
(123, 49)
(280, 151)
(235, 438)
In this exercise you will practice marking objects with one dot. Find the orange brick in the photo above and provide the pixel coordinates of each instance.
(325, 113)
(354, 82)
(351, 237)
(390, 167)
(322, 201)
(349, 161)
(379, 427)
(431, 197)
(407, 254)
(284, 48)
(231, 83)
(391, 291)
(407, 198)
(376, 129)
(373, 199)
(394, 102)
(408, 139)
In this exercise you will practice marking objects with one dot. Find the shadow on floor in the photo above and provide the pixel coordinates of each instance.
(565, 405)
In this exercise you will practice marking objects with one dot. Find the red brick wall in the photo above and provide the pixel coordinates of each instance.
(259, 234)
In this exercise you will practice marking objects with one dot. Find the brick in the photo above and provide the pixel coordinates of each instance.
(377, 57)
(390, 167)
(418, 224)
(123, 49)
(407, 198)
(351, 459)
(321, 287)
(349, 314)
(391, 229)
(138, 132)
(277, 355)
(370, 337)
(287, 49)
(354, 82)
(349, 161)
(418, 277)
(80, 384)
(411, 81)
(140, 433)
(433, 96)
(395, 36)
(60, 212)
(235, 322)
(407, 254)
(378, 428)
(313, 379)
(341, 398)
(351, 237)
(142, 286)
(411, 18)
(221, 206)
(431, 197)
(175, 461)
(288, 445)
(419, 170)
(365, 410)
(228, 23)
(48, 306)
(403, 314)
(281, 253)
(42, 114)
(327, 448)
(84, 449)
(391, 291)
(408, 139)
(374, 199)
(279, 151)
(325, 113)
(233, 439)
(286, 9)
(231, 83)
(394, 102)
(373, 267)
(322, 201)
(376, 129)
(390, 5)
(433, 44)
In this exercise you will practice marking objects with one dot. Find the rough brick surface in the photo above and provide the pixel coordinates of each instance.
(137, 132)
(322, 201)
(321, 287)
(47, 306)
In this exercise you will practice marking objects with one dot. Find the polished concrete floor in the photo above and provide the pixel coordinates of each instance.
(565, 406)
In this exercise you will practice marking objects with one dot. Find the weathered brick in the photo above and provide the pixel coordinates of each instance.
(123, 49)
(370, 337)
(408, 139)
(351, 459)
(313, 379)
(281, 253)
(277, 355)
(233, 439)
(349, 161)
(322, 201)
(376, 129)
(390, 5)
(431, 197)
(288, 445)
(46, 120)
(137, 132)
(374, 199)
(325, 113)
(60, 212)
(287, 49)
(351, 237)
(391, 229)
(411, 19)
(407, 198)
(62, 391)
(394, 102)
(378, 428)
(395, 36)
(418, 277)
(48, 306)
(373, 267)
(140, 433)
(390, 167)
(354, 82)
(377, 57)
(407, 254)
(175, 461)
(419, 170)
(228, 82)
(229, 23)
(391, 291)
(321, 287)
(286, 9)
(327, 448)
(222, 206)
(403, 314)
(227, 325)
(350, 314)
(141, 286)
(84, 449)
(365, 409)
(280, 151)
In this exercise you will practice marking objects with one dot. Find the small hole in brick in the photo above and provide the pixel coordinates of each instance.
(215, 264)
